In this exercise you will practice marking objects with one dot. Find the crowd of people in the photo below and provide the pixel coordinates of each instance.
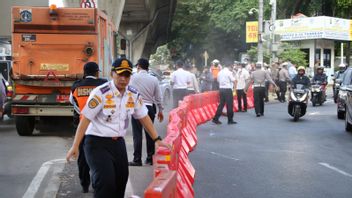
(265, 79)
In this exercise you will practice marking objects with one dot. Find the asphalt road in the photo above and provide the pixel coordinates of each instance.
(274, 157)
(22, 157)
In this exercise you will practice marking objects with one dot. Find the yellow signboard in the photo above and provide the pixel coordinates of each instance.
(57, 67)
(252, 32)
(350, 29)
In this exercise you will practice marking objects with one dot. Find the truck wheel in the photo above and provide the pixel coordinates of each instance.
(24, 125)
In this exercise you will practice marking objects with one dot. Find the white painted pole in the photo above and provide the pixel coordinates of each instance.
(260, 41)
(341, 62)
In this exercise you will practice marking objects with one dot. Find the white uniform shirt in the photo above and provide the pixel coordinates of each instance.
(242, 76)
(194, 83)
(109, 111)
(225, 79)
(181, 79)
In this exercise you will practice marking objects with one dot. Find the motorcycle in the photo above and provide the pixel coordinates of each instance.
(336, 89)
(318, 93)
(297, 105)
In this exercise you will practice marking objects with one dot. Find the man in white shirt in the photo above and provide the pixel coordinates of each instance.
(226, 80)
(242, 77)
(193, 87)
(180, 80)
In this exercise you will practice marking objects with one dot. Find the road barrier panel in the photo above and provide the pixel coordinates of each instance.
(162, 186)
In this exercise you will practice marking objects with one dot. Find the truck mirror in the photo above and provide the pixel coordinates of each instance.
(123, 44)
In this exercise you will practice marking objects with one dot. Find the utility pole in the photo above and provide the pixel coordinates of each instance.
(273, 19)
(260, 29)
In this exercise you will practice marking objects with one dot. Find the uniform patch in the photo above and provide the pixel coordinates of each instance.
(132, 89)
(93, 103)
(105, 89)
(109, 106)
(130, 103)
(140, 101)
(98, 98)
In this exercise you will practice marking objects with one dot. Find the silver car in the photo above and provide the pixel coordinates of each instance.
(165, 87)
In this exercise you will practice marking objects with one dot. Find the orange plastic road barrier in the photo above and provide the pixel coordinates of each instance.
(183, 190)
(191, 122)
(188, 138)
(186, 166)
(250, 102)
(163, 186)
(196, 116)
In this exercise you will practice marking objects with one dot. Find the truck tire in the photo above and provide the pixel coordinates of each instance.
(24, 125)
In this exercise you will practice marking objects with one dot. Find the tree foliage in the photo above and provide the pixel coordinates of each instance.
(218, 26)
(161, 57)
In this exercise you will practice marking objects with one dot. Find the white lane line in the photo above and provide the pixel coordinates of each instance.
(335, 169)
(37, 180)
(129, 190)
(224, 156)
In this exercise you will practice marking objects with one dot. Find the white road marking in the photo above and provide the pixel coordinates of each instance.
(129, 190)
(37, 180)
(335, 169)
(224, 156)
(314, 113)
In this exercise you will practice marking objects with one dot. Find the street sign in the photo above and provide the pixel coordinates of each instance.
(88, 4)
(252, 32)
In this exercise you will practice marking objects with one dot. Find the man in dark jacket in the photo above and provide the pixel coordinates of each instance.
(301, 78)
(80, 91)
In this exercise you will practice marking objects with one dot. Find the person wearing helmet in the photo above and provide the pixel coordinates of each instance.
(322, 78)
(338, 77)
(214, 70)
(301, 78)
(258, 78)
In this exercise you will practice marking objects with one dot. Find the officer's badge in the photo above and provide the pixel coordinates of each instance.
(140, 101)
(130, 103)
(93, 103)
(109, 100)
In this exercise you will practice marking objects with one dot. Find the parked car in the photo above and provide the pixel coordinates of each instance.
(341, 95)
(165, 87)
(345, 98)
(164, 83)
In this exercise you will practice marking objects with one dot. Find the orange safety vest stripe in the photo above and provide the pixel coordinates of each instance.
(81, 95)
(215, 71)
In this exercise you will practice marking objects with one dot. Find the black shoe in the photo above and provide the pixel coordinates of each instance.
(231, 122)
(85, 189)
(216, 121)
(258, 115)
(262, 114)
(149, 161)
(133, 163)
(266, 100)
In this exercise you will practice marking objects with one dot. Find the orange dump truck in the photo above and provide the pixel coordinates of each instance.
(49, 47)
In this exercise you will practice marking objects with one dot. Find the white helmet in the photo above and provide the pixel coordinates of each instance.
(215, 61)
(342, 65)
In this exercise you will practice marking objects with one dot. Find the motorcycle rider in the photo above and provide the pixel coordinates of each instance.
(320, 76)
(301, 78)
(338, 75)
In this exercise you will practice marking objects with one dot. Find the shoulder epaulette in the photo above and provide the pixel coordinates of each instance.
(105, 89)
(132, 89)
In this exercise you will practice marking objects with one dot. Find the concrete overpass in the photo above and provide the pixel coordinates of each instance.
(144, 23)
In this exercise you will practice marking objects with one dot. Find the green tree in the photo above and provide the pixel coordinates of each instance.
(292, 54)
(161, 57)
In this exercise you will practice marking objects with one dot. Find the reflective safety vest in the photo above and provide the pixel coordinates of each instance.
(81, 95)
(215, 71)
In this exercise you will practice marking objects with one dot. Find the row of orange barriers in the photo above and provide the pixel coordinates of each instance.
(174, 174)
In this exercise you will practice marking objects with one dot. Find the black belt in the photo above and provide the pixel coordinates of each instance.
(105, 138)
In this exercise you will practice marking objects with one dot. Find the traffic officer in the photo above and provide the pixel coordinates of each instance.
(284, 78)
(241, 76)
(258, 78)
(80, 91)
(180, 80)
(226, 83)
(105, 121)
(148, 87)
